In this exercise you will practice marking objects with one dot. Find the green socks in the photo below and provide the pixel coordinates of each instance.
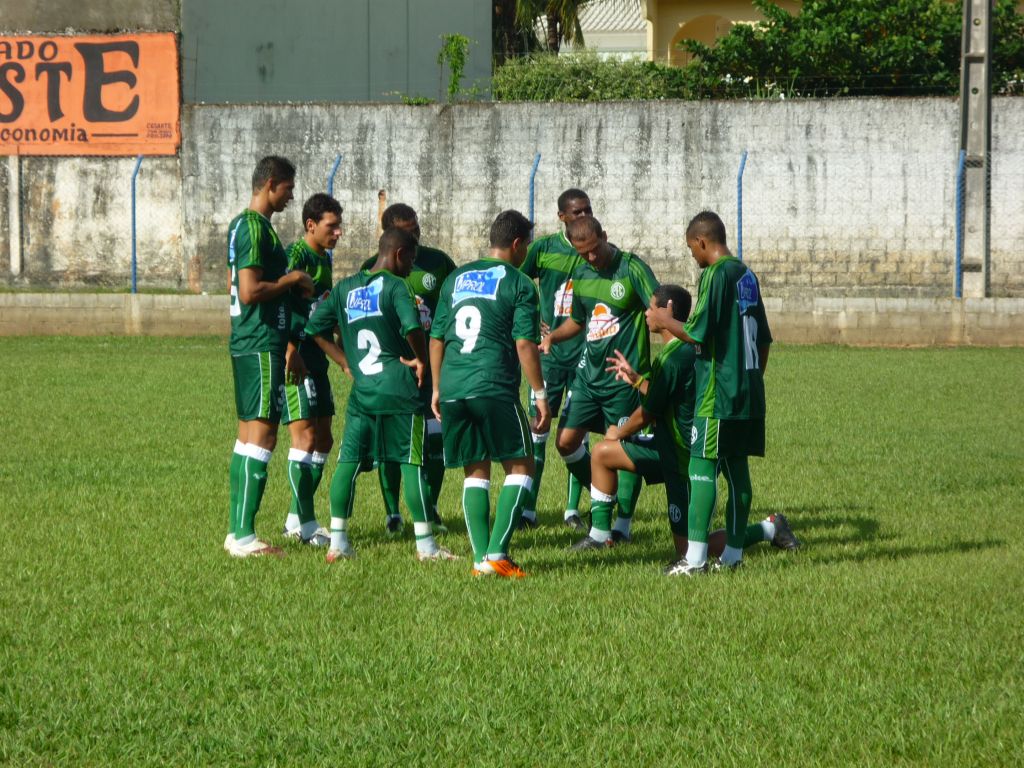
(390, 475)
(540, 449)
(578, 464)
(252, 484)
(235, 475)
(601, 505)
(417, 497)
(737, 507)
(343, 492)
(434, 466)
(514, 493)
(476, 504)
(300, 478)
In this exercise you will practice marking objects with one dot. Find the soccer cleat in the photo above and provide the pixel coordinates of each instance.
(619, 537)
(255, 548)
(346, 552)
(229, 542)
(321, 538)
(527, 522)
(590, 543)
(718, 565)
(441, 553)
(575, 522)
(394, 525)
(784, 537)
(483, 569)
(682, 568)
(506, 568)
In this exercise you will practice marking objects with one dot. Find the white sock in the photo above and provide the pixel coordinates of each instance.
(571, 513)
(576, 455)
(697, 553)
(254, 451)
(319, 458)
(339, 533)
(246, 540)
(768, 529)
(425, 543)
(598, 535)
(291, 522)
(731, 555)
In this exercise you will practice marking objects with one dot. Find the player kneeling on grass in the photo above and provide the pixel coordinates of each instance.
(309, 404)
(487, 325)
(730, 331)
(664, 455)
(381, 337)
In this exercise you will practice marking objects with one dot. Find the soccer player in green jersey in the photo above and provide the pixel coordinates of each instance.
(611, 293)
(385, 350)
(730, 330)
(262, 354)
(487, 327)
(551, 261)
(429, 270)
(309, 404)
(663, 455)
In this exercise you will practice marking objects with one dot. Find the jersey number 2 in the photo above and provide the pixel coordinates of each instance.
(467, 327)
(369, 364)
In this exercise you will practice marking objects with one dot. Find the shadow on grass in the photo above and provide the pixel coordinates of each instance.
(908, 551)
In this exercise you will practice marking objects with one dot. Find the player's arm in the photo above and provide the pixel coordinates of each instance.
(294, 365)
(762, 356)
(670, 324)
(253, 289)
(418, 341)
(637, 420)
(529, 359)
(321, 328)
(436, 359)
(568, 329)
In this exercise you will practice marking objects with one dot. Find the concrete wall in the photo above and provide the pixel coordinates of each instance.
(884, 322)
(107, 16)
(841, 197)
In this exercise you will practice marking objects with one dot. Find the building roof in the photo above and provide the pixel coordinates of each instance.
(612, 16)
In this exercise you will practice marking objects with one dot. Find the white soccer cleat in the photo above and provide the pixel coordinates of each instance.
(229, 542)
(255, 548)
(441, 553)
(345, 552)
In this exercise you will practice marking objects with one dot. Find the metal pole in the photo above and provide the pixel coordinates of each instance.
(961, 168)
(330, 176)
(739, 206)
(533, 180)
(135, 173)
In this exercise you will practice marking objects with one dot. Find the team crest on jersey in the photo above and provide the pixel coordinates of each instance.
(429, 281)
(364, 301)
(603, 323)
(478, 284)
(618, 290)
(426, 319)
(563, 299)
(746, 291)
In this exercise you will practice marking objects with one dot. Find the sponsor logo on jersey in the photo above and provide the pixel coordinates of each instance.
(746, 291)
(675, 514)
(429, 281)
(426, 319)
(700, 479)
(478, 284)
(282, 317)
(563, 299)
(603, 324)
(618, 290)
(364, 301)
(693, 435)
(318, 301)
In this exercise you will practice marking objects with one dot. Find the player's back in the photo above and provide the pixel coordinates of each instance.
(374, 312)
(484, 307)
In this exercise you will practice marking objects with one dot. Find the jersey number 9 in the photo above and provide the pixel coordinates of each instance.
(467, 327)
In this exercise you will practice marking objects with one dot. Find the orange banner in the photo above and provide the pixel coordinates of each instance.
(89, 95)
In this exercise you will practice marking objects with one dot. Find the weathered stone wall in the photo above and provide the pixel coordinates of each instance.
(841, 197)
(807, 320)
(57, 16)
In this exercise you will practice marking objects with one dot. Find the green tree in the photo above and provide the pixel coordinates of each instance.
(837, 47)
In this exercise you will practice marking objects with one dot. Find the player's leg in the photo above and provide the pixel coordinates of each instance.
(323, 443)
(235, 479)
(582, 414)
(615, 411)
(737, 508)
(390, 476)
(464, 447)
(301, 521)
(608, 458)
(354, 455)
(508, 441)
(259, 378)
(434, 466)
(703, 477)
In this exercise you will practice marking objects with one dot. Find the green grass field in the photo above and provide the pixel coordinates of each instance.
(128, 637)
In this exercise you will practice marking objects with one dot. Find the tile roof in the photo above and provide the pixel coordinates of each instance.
(612, 16)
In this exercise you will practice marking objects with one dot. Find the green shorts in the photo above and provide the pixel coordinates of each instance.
(259, 385)
(584, 410)
(393, 437)
(483, 428)
(309, 400)
(557, 381)
(717, 438)
(654, 469)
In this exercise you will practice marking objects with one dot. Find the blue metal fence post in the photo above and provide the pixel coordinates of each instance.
(739, 206)
(961, 169)
(533, 179)
(330, 176)
(135, 173)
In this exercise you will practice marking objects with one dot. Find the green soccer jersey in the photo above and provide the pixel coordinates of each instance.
(669, 398)
(610, 305)
(263, 327)
(552, 260)
(375, 311)
(485, 306)
(429, 271)
(302, 257)
(729, 325)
